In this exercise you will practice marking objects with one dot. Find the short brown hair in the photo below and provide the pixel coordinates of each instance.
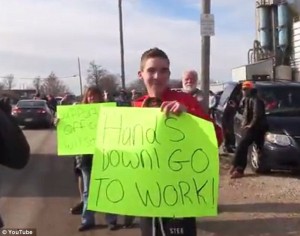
(153, 53)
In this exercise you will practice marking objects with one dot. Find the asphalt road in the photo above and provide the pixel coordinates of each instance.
(40, 197)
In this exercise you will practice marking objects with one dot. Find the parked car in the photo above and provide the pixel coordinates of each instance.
(282, 141)
(32, 113)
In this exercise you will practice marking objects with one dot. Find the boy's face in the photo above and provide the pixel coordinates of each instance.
(155, 74)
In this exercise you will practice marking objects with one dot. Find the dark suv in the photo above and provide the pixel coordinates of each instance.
(282, 142)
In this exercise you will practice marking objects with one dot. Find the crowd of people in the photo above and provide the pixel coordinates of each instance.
(155, 73)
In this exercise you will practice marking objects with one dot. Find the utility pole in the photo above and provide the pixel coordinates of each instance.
(80, 78)
(121, 44)
(205, 57)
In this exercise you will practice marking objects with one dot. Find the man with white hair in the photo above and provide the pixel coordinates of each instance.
(189, 85)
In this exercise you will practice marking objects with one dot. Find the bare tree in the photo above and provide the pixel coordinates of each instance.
(95, 72)
(37, 83)
(8, 81)
(137, 85)
(101, 78)
(52, 85)
(2, 86)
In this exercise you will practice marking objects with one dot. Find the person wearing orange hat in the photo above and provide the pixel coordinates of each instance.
(247, 85)
(254, 125)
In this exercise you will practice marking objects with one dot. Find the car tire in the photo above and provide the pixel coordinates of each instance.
(257, 166)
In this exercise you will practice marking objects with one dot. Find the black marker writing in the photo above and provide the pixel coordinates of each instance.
(198, 191)
(145, 159)
(134, 135)
(169, 192)
(78, 126)
(115, 185)
(112, 189)
(146, 198)
(80, 141)
(176, 165)
(99, 188)
(180, 193)
(203, 161)
(179, 133)
(81, 113)
(184, 191)
(199, 161)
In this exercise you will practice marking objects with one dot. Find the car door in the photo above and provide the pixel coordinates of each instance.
(225, 97)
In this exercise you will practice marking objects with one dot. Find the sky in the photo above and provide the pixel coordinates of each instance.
(41, 36)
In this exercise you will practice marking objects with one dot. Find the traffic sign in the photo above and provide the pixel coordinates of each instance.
(207, 25)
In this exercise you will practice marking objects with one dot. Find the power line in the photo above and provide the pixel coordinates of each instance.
(37, 77)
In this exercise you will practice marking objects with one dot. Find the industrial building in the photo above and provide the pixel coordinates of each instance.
(275, 53)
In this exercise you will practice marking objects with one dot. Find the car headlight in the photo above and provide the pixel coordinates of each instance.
(279, 139)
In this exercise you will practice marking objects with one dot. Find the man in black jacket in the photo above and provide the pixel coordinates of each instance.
(14, 148)
(254, 125)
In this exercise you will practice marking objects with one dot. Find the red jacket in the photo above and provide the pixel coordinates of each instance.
(190, 103)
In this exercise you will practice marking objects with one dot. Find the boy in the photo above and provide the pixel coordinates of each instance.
(155, 72)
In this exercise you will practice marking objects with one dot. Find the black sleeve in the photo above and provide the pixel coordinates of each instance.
(14, 148)
(258, 112)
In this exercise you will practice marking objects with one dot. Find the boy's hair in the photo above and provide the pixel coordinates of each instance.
(153, 53)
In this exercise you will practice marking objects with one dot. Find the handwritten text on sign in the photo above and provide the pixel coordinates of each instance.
(149, 165)
(77, 127)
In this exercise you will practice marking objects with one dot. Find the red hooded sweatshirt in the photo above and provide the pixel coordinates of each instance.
(189, 102)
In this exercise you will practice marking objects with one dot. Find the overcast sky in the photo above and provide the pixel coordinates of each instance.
(40, 36)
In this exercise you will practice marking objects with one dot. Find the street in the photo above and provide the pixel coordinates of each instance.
(41, 195)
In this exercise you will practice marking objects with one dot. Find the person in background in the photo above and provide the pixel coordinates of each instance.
(228, 126)
(106, 96)
(68, 99)
(52, 103)
(212, 103)
(134, 95)
(155, 73)
(77, 209)
(189, 85)
(37, 96)
(254, 125)
(45, 98)
(92, 95)
(122, 100)
(14, 147)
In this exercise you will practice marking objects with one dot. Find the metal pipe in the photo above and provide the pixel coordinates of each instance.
(80, 78)
(121, 44)
(274, 36)
(205, 59)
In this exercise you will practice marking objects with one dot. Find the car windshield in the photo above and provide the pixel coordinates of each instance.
(31, 103)
(280, 99)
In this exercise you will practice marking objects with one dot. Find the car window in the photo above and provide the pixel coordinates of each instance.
(280, 97)
(226, 93)
(31, 103)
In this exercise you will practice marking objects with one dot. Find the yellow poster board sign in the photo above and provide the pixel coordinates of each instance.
(147, 164)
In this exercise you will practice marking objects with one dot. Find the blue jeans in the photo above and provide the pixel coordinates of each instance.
(88, 217)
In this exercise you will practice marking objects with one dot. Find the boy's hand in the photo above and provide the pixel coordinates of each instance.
(173, 107)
